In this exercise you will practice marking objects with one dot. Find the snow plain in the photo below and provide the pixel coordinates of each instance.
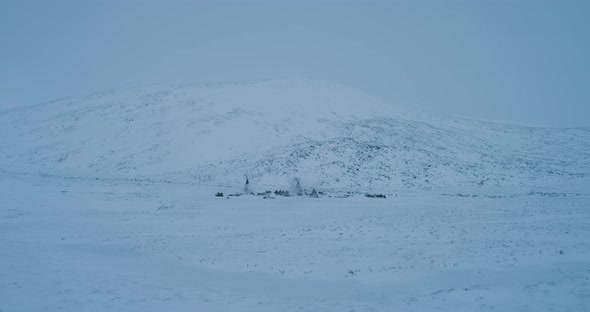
(107, 204)
(90, 245)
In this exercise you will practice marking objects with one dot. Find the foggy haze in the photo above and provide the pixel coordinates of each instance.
(522, 61)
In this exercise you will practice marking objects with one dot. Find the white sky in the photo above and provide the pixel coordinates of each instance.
(525, 60)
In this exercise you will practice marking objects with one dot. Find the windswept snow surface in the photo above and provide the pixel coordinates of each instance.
(107, 204)
(79, 245)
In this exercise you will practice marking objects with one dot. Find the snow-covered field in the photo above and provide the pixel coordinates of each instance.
(107, 204)
(89, 245)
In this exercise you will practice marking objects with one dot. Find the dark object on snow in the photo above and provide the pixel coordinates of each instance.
(282, 193)
(314, 194)
(342, 196)
(375, 195)
(219, 194)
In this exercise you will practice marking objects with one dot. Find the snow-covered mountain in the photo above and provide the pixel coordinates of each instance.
(325, 134)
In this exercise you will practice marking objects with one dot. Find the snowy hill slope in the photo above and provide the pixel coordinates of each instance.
(327, 135)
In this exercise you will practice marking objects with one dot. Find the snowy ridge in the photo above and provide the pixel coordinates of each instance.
(327, 135)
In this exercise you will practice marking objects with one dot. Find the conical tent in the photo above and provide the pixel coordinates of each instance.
(314, 194)
(298, 190)
(247, 190)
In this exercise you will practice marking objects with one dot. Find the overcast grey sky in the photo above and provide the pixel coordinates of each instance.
(525, 61)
